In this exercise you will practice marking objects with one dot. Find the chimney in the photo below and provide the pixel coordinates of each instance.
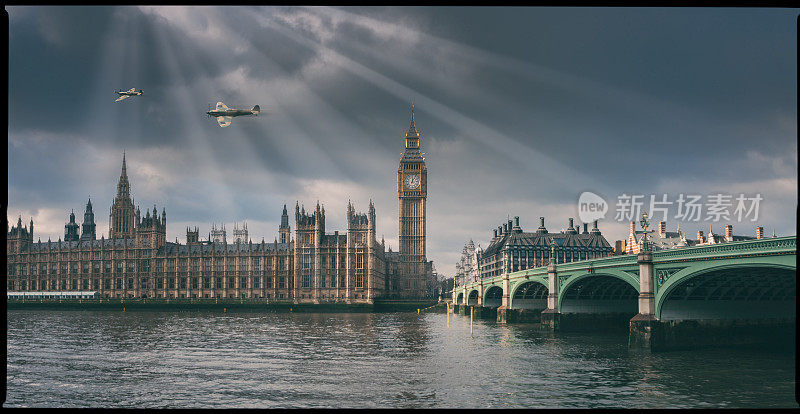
(570, 223)
(729, 232)
(510, 225)
(662, 228)
(517, 228)
(505, 228)
(586, 228)
(541, 221)
(495, 234)
(595, 230)
(759, 232)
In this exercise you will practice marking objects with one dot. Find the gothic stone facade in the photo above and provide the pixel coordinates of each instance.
(412, 191)
(136, 261)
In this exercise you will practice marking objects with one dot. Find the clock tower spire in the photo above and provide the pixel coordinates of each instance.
(412, 191)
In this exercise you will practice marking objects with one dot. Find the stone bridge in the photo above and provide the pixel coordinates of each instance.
(736, 281)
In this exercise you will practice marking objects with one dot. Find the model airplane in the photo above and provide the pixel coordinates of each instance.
(127, 94)
(225, 115)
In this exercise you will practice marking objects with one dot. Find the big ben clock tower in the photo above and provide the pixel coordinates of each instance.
(412, 190)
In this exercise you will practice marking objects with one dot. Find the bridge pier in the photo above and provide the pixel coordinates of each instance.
(508, 315)
(645, 331)
(484, 312)
(551, 317)
(505, 315)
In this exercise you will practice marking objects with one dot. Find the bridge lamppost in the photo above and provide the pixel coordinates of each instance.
(645, 223)
(644, 327)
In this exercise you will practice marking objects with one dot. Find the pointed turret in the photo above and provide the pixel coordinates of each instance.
(123, 186)
(412, 140)
(412, 129)
(71, 229)
(88, 229)
(122, 218)
(284, 217)
(284, 229)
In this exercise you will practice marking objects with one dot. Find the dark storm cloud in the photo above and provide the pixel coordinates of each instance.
(712, 66)
(520, 109)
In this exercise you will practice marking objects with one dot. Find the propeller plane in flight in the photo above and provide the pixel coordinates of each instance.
(127, 94)
(225, 115)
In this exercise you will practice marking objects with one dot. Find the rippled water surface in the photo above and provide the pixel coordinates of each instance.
(405, 360)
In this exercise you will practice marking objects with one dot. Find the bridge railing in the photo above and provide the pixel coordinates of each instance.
(774, 244)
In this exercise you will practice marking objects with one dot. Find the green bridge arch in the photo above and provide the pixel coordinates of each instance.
(773, 258)
(703, 269)
(573, 279)
(491, 297)
(519, 283)
(471, 299)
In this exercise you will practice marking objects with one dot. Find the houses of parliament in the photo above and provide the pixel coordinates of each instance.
(308, 265)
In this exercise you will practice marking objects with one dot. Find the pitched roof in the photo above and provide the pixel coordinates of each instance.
(543, 241)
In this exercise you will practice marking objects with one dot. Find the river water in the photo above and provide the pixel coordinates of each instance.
(402, 360)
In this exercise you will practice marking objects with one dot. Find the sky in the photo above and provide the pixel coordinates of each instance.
(521, 110)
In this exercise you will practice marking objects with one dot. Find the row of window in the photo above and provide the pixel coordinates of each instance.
(147, 283)
(267, 295)
(22, 270)
(306, 238)
(178, 282)
(306, 280)
(308, 263)
(533, 258)
(242, 264)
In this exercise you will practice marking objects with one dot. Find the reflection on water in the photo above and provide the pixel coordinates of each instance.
(405, 360)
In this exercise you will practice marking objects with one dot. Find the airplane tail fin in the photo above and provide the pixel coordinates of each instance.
(256, 109)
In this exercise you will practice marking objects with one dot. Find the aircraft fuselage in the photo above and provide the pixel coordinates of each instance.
(231, 112)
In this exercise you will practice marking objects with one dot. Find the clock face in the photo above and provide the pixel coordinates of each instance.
(412, 181)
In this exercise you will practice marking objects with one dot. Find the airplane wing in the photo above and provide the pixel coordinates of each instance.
(221, 106)
(224, 121)
(122, 97)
